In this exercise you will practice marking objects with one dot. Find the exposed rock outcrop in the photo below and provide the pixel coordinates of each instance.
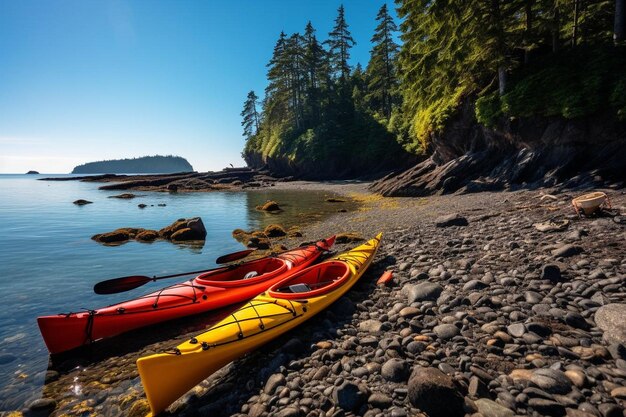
(538, 152)
(182, 230)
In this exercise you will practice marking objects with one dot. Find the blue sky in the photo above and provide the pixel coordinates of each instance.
(84, 80)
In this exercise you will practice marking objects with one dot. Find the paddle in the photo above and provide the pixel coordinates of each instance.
(234, 256)
(122, 284)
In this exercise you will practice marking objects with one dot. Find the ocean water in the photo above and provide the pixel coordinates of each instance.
(49, 264)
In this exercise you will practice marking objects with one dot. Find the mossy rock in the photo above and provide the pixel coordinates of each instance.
(140, 408)
(294, 231)
(335, 200)
(258, 243)
(269, 206)
(274, 230)
(348, 237)
(240, 235)
(147, 236)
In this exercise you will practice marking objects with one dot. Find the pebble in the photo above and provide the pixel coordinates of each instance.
(446, 331)
(424, 291)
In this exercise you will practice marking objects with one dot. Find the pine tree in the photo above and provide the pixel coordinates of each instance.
(381, 70)
(250, 116)
(277, 94)
(339, 43)
(314, 63)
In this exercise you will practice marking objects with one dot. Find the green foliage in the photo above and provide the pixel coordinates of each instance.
(321, 116)
(456, 50)
(570, 84)
(489, 109)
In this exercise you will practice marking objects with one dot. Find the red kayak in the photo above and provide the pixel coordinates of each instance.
(211, 290)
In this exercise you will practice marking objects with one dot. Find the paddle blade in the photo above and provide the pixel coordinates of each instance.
(115, 285)
(234, 256)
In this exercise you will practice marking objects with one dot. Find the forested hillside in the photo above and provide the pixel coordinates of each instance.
(145, 165)
(321, 118)
(469, 75)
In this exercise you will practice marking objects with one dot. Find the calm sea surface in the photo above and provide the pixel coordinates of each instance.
(49, 264)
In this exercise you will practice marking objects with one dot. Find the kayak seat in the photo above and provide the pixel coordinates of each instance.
(250, 274)
(298, 288)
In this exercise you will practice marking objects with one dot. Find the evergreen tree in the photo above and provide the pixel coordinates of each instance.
(339, 43)
(250, 116)
(381, 70)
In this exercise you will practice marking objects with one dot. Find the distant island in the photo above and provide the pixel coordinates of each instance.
(144, 165)
(32, 173)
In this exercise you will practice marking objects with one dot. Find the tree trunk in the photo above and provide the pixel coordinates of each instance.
(529, 26)
(556, 30)
(502, 79)
(619, 33)
(575, 28)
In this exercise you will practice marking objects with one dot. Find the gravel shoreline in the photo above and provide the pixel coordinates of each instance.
(486, 316)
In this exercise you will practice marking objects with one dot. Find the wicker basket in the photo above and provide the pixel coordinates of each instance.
(589, 203)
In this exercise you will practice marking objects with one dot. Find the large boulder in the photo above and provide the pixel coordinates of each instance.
(184, 229)
(434, 393)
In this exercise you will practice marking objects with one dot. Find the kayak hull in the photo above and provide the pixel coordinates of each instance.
(209, 291)
(262, 319)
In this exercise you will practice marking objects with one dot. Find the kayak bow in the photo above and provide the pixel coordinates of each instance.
(288, 303)
(209, 291)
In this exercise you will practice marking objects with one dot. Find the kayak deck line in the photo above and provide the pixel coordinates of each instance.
(263, 328)
(208, 291)
(282, 307)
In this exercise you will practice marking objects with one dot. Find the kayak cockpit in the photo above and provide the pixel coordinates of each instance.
(244, 274)
(312, 282)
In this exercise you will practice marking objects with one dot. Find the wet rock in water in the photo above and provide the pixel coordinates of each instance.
(81, 202)
(552, 381)
(147, 236)
(611, 320)
(451, 220)
(550, 272)
(274, 230)
(434, 393)
(488, 408)
(424, 291)
(195, 226)
(124, 196)
(142, 205)
(565, 251)
(269, 206)
(6, 358)
(395, 370)
(116, 236)
(348, 237)
(43, 406)
(348, 396)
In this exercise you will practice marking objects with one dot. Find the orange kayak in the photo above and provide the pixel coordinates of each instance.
(209, 291)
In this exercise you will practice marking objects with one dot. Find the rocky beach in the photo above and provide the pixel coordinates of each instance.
(501, 304)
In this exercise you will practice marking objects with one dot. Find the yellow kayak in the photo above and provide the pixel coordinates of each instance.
(167, 376)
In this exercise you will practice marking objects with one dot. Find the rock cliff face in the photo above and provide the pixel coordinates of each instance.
(469, 157)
